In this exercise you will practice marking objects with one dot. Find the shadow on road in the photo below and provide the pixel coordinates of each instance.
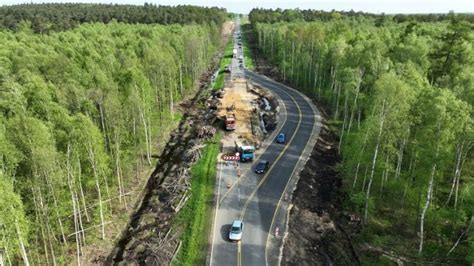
(225, 232)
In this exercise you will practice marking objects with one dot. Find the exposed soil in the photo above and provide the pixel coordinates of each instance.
(319, 232)
(227, 29)
(149, 239)
(239, 100)
(255, 112)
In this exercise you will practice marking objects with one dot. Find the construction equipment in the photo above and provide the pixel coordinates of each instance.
(246, 153)
(230, 118)
(230, 121)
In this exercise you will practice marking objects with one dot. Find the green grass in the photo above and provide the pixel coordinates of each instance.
(194, 217)
(226, 60)
(246, 28)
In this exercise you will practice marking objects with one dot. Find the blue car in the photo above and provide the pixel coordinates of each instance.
(281, 138)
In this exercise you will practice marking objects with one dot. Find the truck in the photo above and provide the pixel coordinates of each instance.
(230, 121)
(234, 53)
(246, 153)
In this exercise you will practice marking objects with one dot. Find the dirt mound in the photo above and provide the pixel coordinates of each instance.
(227, 28)
(319, 233)
(255, 111)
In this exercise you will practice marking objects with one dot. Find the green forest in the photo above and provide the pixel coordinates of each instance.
(401, 93)
(44, 18)
(83, 114)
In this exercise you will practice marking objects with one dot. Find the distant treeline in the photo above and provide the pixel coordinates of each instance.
(60, 17)
(262, 15)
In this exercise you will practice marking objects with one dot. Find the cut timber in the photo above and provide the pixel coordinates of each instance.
(176, 251)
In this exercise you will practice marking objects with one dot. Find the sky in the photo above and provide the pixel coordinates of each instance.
(244, 6)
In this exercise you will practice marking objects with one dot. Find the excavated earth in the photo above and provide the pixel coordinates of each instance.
(319, 232)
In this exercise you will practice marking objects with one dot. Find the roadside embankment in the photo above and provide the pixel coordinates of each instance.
(151, 237)
(319, 231)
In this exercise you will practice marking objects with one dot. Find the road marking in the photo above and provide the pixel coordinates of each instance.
(272, 137)
(215, 212)
(285, 191)
(274, 163)
(239, 251)
(316, 113)
(243, 212)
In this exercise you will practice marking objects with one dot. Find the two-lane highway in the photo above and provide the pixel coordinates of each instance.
(263, 203)
(255, 199)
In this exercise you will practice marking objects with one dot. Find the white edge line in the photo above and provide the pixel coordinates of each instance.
(312, 143)
(215, 211)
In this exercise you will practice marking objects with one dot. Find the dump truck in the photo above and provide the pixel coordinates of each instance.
(230, 121)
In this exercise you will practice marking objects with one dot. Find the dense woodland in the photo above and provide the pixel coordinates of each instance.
(402, 95)
(81, 112)
(262, 15)
(58, 17)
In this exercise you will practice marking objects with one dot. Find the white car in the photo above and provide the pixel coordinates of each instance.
(236, 229)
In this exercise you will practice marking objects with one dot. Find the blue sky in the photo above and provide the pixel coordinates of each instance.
(244, 6)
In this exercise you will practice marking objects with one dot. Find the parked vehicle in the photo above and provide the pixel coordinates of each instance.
(281, 138)
(262, 167)
(236, 229)
(234, 52)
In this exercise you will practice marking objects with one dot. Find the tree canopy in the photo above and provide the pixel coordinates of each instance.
(43, 18)
(263, 15)
(82, 114)
(401, 94)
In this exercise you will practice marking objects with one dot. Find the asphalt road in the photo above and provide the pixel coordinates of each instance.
(255, 198)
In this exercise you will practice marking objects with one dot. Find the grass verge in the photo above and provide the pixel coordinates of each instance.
(226, 60)
(194, 217)
(246, 28)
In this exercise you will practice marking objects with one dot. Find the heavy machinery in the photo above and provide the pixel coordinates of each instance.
(230, 121)
(246, 153)
(230, 118)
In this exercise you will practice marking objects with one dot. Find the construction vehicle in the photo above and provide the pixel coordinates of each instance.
(246, 153)
(230, 121)
(230, 118)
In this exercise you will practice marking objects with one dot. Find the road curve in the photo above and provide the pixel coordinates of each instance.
(255, 199)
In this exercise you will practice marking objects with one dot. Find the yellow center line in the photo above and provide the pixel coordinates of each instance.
(286, 186)
(239, 250)
(281, 197)
(273, 164)
(239, 180)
